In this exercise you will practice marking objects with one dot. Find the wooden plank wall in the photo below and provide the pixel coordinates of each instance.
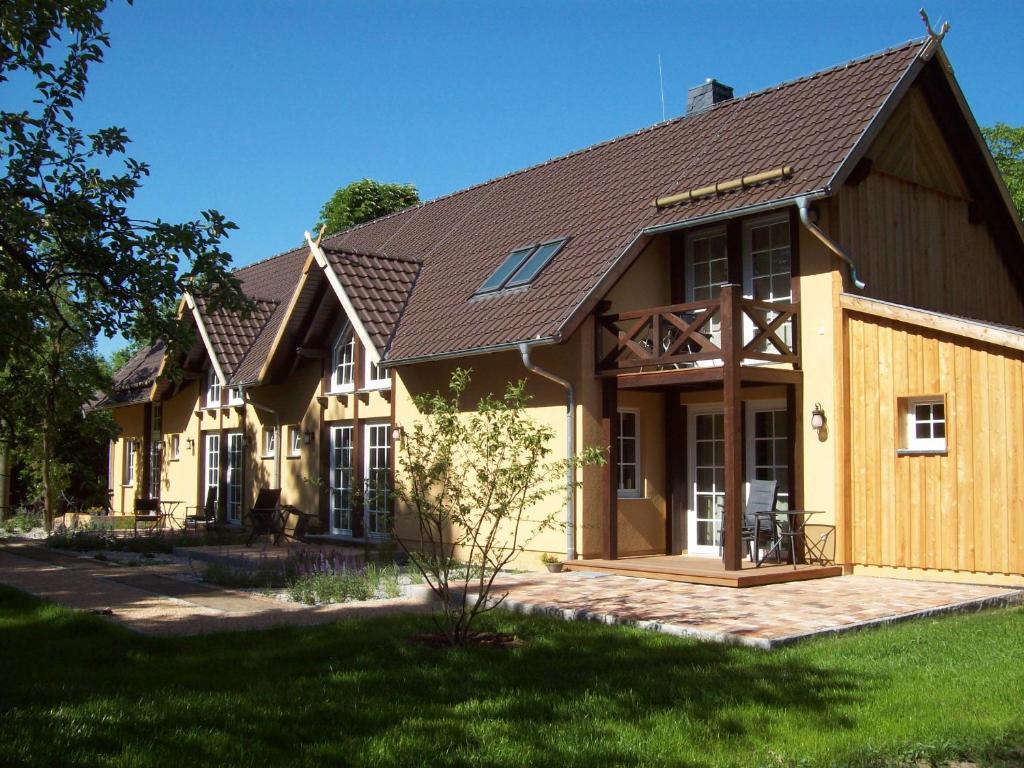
(917, 236)
(961, 511)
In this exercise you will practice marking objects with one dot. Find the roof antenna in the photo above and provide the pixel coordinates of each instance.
(661, 83)
(931, 32)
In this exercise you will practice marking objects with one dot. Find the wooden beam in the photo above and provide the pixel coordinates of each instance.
(675, 474)
(764, 375)
(610, 490)
(662, 378)
(732, 342)
(315, 353)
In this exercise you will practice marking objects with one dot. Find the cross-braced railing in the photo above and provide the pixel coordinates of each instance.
(694, 334)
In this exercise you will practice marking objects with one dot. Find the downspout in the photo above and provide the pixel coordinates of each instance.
(278, 447)
(570, 447)
(804, 206)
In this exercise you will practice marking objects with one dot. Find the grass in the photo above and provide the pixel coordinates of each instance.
(75, 690)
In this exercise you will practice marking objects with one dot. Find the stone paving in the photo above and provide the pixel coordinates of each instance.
(762, 617)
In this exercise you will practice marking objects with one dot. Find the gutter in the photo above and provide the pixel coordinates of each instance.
(803, 205)
(503, 347)
(278, 447)
(570, 446)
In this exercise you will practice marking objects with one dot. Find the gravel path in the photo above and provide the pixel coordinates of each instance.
(154, 600)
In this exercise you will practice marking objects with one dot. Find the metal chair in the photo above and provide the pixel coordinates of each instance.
(147, 511)
(205, 515)
(761, 497)
(265, 515)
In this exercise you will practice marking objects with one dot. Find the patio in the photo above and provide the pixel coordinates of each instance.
(762, 617)
(704, 570)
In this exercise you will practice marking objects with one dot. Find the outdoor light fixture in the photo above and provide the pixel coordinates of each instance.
(817, 417)
(307, 437)
(398, 433)
(191, 443)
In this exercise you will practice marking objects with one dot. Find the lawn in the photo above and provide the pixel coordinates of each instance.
(75, 690)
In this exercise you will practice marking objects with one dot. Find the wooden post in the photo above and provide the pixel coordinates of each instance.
(610, 495)
(732, 346)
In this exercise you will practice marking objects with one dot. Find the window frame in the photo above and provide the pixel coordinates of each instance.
(369, 382)
(909, 443)
(175, 447)
(212, 382)
(511, 281)
(128, 468)
(638, 491)
(337, 386)
(269, 442)
(232, 399)
(294, 434)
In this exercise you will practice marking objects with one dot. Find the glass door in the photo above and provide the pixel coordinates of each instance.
(340, 488)
(707, 481)
(233, 479)
(767, 274)
(768, 446)
(212, 463)
(377, 474)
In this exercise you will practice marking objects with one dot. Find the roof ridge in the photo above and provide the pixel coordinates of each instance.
(640, 132)
(264, 260)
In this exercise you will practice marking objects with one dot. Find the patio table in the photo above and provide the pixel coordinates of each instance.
(797, 519)
(167, 509)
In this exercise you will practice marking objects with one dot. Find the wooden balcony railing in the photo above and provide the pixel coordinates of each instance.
(697, 334)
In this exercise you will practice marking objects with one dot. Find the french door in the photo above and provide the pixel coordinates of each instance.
(377, 475)
(767, 458)
(212, 468)
(233, 478)
(340, 486)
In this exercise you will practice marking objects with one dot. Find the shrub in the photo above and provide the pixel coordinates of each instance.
(23, 522)
(263, 576)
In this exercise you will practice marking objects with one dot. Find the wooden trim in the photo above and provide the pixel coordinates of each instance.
(734, 250)
(324, 468)
(675, 474)
(677, 267)
(610, 495)
(282, 329)
(732, 342)
(147, 447)
(934, 321)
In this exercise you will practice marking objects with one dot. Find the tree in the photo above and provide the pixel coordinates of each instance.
(1007, 145)
(467, 481)
(73, 262)
(365, 200)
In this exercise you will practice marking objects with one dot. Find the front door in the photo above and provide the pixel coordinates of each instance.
(233, 478)
(340, 489)
(767, 458)
(707, 480)
(376, 471)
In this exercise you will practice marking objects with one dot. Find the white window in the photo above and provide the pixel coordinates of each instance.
(767, 273)
(175, 447)
(269, 441)
(129, 461)
(707, 270)
(924, 424)
(235, 396)
(629, 454)
(340, 488)
(343, 362)
(156, 445)
(294, 441)
(376, 477)
(212, 474)
(212, 390)
(376, 377)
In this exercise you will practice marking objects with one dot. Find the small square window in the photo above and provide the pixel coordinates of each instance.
(522, 266)
(175, 447)
(235, 396)
(212, 390)
(269, 442)
(294, 441)
(923, 428)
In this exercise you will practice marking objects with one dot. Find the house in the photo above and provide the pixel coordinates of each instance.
(821, 283)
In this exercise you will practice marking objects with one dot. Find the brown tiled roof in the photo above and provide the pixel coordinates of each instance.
(378, 287)
(232, 333)
(602, 198)
(133, 380)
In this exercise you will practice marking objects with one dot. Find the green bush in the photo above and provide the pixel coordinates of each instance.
(23, 522)
(373, 581)
(263, 576)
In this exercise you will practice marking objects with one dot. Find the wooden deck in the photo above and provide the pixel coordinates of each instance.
(704, 570)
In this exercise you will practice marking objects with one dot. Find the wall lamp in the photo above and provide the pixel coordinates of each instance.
(398, 433)
(191, 443)
(307, 437)
(818, 419)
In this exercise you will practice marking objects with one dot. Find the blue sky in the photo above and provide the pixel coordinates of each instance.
(262, 109)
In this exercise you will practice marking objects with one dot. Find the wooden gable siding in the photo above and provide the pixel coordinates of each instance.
(962, 510)
(915, 231)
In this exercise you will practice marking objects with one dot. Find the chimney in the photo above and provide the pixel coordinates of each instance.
(704, 95)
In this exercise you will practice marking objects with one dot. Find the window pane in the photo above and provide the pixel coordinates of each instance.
(780, 234)
(759, 238)
(923, 430)
(922, 412)
(628, 481)
(511, 263)
(537, 261)
(939, 412)
(939, 430)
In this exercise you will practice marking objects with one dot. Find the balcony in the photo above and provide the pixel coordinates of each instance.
(697, 341)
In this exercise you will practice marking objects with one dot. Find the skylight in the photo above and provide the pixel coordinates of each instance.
(521, 266)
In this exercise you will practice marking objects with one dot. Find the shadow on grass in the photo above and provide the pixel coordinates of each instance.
(77, 690)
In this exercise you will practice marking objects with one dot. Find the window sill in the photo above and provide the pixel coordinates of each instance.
(628, 496)
(922, 451)
(293, 456)
(267, 456)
